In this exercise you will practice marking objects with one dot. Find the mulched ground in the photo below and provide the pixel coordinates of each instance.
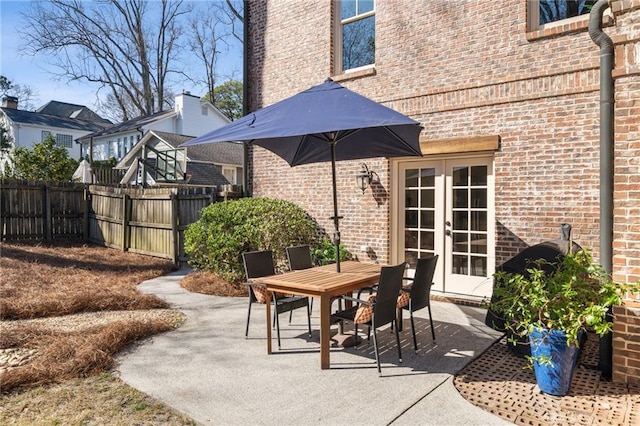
(498, 382)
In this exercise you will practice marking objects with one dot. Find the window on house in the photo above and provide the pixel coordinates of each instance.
(548, 12)
(356, 35)
(205, 111)
(44, 135)
(65, 141)
(230, 174)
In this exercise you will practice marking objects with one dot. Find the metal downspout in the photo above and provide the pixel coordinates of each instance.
(606, 159)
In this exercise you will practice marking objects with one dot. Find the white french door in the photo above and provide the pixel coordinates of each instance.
(446, 207)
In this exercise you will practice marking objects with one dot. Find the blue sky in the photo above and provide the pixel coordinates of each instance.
(32, 71)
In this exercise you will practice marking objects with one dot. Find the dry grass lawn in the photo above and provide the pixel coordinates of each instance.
(207, 283)
(66, 310)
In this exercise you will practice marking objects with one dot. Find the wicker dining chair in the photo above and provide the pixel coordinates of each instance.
(379, 309)
(260, 264)
(299, 257)
(419, 294)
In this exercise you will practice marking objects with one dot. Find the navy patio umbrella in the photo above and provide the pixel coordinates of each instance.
(327, 122)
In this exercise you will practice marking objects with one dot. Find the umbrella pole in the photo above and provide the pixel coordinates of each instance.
(336, 218)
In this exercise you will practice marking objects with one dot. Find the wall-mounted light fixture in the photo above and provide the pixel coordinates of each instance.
(363, 177)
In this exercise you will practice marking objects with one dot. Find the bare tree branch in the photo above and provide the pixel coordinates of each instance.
(109, 42)
(235, 11)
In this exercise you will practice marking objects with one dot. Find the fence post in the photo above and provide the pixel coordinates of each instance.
(175, 221)
(47, 213)
(126, 231)
(85, 213)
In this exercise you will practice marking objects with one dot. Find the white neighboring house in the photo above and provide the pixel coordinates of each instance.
(66, 122)
(190, 116)
(157, 158)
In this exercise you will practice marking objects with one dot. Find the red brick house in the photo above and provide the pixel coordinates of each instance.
(509, 97)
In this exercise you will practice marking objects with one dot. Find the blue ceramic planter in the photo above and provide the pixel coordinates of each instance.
(553, 379)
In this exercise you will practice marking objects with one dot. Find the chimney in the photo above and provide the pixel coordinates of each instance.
(10, 102)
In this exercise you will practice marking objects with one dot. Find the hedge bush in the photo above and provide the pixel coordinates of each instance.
(227, 229)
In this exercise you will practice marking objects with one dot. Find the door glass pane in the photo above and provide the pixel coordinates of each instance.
(479, 243)
(460, 242)
(411, 178)
(427, 198)
(479, 221)
(411, 198)
(427, 240)
(478, 175)
(411, 239)
(460, 175)
(479, 198)
(411, 219)
(478, 266)
(460, 220)
(428, 177)
(427, 220)
(460, 198)
(411, 257)
(460, 265)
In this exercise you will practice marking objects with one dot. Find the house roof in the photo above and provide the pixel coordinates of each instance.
(129, 125)
(75, 111)
(40, 119)
(219, 152)
(205, 174)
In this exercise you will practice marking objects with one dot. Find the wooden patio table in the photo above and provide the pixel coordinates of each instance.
(325, 283)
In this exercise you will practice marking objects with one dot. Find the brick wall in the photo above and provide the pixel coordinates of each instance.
(627, 141)
(463, 69)
(626, 250)
(626, 344)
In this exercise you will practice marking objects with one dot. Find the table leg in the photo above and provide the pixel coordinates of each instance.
(268, 309)
(325, 331)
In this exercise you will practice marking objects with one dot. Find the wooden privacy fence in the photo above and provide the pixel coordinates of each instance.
(42, 210)
(147, 221)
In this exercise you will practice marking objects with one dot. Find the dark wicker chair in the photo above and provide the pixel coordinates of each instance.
(299, 257)
(259, 264)
(420, 293)
(379, 309)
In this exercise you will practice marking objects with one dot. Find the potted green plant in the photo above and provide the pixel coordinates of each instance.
(554, 307)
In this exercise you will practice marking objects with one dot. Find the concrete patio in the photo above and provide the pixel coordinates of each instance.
(208, 370)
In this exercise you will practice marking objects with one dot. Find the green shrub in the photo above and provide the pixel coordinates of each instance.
(227, 229)
(324, 252)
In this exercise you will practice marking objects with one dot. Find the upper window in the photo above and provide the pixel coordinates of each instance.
(44, 134)
(230, 174)
(64, 140)
(545, 12)
(356, 35)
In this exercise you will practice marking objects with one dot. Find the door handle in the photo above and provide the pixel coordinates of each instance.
(447, 232)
